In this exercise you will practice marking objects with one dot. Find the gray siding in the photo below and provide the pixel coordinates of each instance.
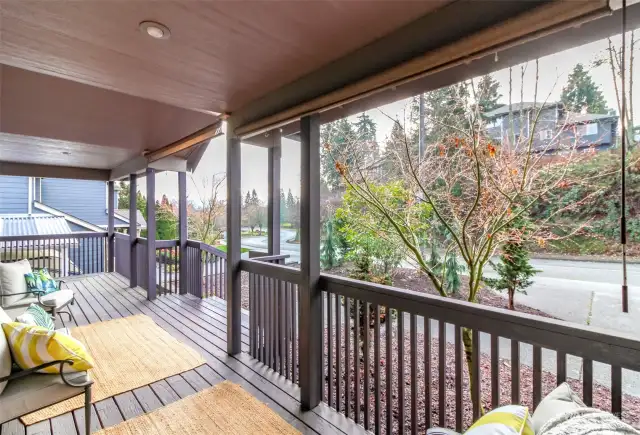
(83, 199)
(14, 194)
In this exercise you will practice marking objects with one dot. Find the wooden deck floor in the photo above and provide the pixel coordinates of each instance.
(200, 324)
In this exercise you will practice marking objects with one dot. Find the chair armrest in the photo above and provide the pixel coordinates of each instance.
(23, 373)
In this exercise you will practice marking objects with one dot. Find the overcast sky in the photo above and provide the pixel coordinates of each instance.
(554, 70)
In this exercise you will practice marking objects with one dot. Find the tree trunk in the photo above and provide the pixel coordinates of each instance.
(512, 294)
(467, 340)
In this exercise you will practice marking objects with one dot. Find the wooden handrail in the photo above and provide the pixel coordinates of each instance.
(78, 235)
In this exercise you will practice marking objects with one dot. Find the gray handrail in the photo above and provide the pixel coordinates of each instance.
(78, 235)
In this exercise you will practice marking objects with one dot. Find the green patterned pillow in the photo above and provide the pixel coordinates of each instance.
(40, 281)
(36, 315)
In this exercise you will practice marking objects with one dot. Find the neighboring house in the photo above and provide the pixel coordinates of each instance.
(47, 206)
(554, 126)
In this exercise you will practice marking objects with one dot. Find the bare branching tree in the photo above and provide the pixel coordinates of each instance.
(206, 215)
(473, 184)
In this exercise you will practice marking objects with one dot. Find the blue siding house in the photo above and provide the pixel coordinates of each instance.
(27, 203)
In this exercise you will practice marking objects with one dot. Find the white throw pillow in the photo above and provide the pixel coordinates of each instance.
(5, 352)
(562, 399)
(12, 281)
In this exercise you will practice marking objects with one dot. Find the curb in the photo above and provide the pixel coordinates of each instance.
(594, 258)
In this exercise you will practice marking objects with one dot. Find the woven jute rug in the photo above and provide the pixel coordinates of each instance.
(223, 409)
(129, 353)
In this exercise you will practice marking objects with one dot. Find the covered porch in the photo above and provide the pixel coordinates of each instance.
(294, 338)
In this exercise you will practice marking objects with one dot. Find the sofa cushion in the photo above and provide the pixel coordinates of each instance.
(441, 431)
(57, 299)
(12, 281)
(33, 392)
(562, 399)
(32, 346)
(5, 353)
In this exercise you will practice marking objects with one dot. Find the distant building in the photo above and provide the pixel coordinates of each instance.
(50, 206)
(555, 126)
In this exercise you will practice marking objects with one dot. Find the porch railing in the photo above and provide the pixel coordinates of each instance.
(62, 254)
(395, 360)
(205, 273)
(206, 270)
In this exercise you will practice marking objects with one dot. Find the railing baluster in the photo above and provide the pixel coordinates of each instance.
(413, 327)
(288, 320)
(388, 330)
(426, 325)
(616, 391)
(458, 369)
(262, 309)
(537, 375)
(376, 357)
(330, 349)
(338, 353)
(356, 360)
(347, 357)
(515, 371)
(401, 383)
(561, 366)
(283, 327)
(252, 316)
(587, 382)
(495, 371)
(367, 365)
(475, 354)
(296, 299)
(442, 367)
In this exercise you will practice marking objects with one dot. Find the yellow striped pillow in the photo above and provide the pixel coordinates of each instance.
(33, 345)
(506, 420)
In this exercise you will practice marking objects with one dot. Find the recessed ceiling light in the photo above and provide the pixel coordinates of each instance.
(155, 30)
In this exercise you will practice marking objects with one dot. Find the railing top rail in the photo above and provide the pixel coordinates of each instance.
(167, 243)
(586, 341)
(78, 235)
(270, 258)
(121, 236)
(277, 271)
(207, 248)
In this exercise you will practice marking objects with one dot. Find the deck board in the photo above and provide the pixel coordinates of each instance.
(200, 324)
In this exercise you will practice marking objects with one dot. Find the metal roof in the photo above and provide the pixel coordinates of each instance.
(33, 225)
(123, 214)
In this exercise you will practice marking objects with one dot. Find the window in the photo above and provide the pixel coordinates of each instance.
(545, 134)
(587, 129)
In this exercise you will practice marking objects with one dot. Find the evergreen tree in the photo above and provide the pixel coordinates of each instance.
(283, 207)
(337, 139)
(291, 207)
(123, 195)
(514, 270)
(445, 108)
(366, 128)
(254, 197)
(581, 93)
(329, 252)
(395, 152)
(247, 200)
(488, 94)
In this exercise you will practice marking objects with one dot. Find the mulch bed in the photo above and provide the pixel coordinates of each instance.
(601, 394)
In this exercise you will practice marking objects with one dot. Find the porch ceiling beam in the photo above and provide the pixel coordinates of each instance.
(205, 134)
(496, 26)
(140, 164)
(48, 171)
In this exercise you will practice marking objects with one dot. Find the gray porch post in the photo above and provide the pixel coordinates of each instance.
(310, 313)
(182, 229)
(234, 200)
(133, 231)
(110, 225)
(273, 212)
(151, 234)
